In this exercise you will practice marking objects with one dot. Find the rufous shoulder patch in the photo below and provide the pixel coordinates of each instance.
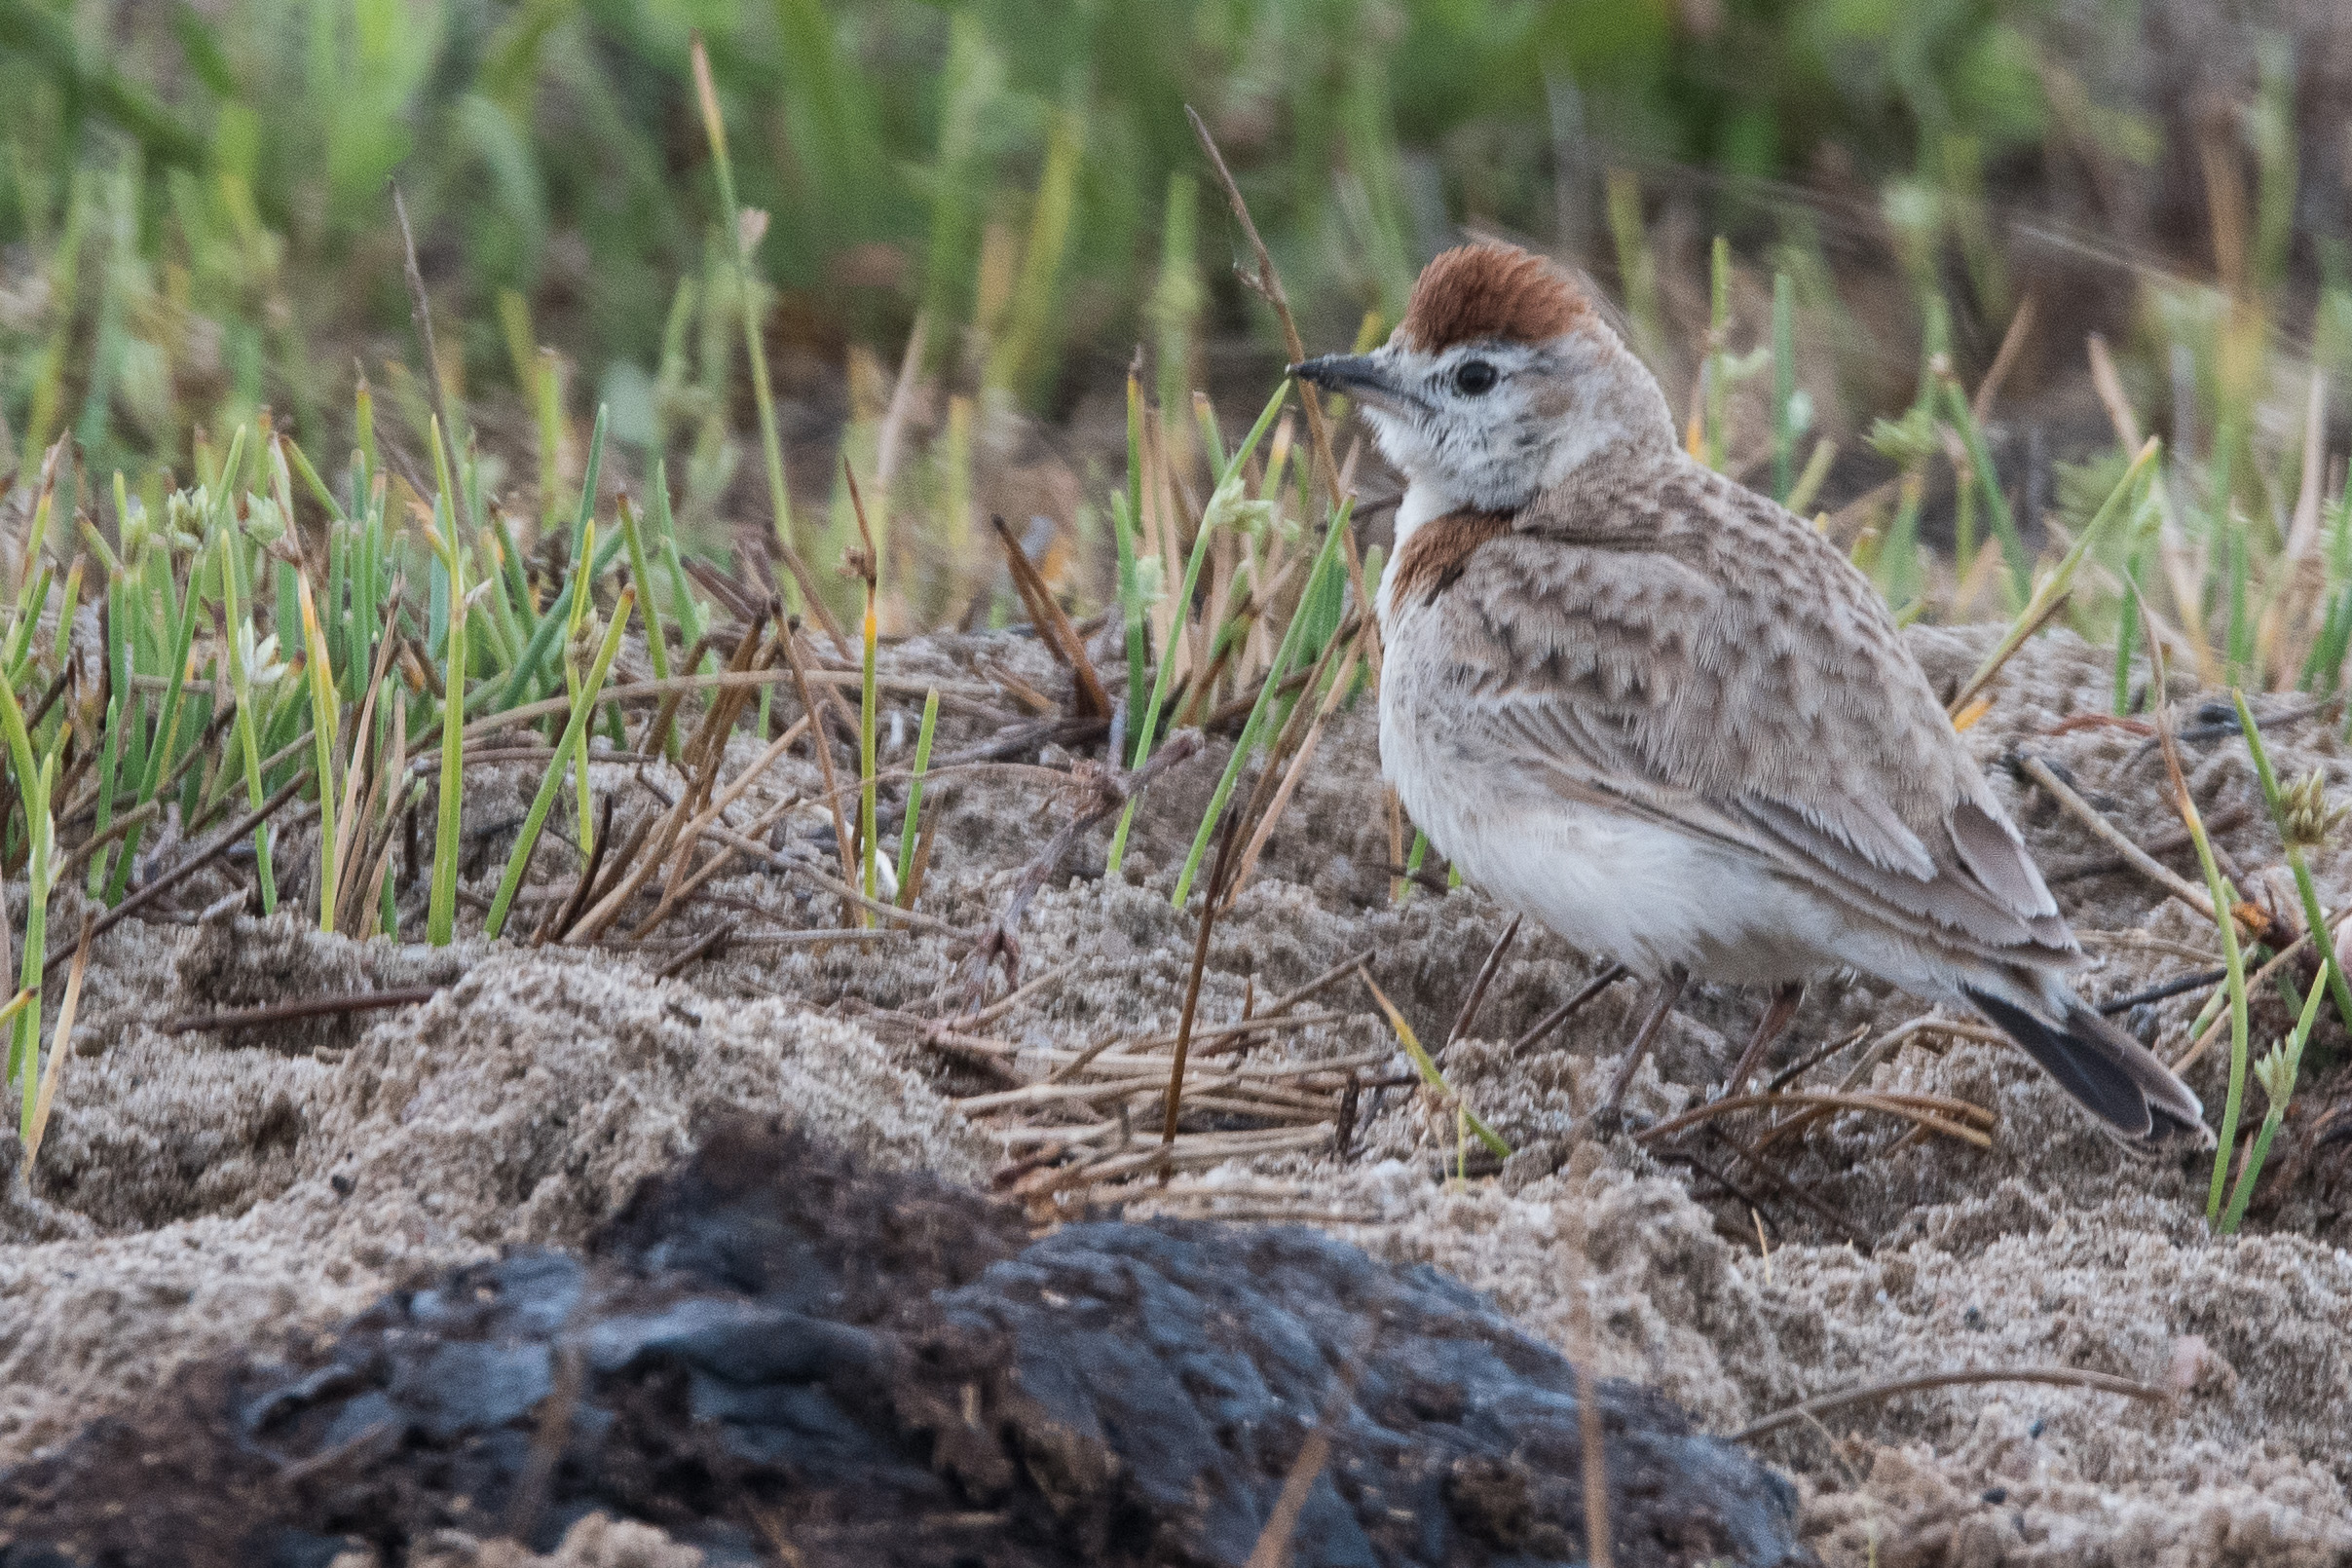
(1435, 553)
(1475, 292)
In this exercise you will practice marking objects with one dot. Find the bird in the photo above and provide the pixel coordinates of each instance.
(1636, 702)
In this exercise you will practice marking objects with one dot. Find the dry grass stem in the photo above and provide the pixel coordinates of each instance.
(1469, 1015)
(1052, 624)
(1936, 1112)
(210, 850)
(246, 1018)
(1545, 1025)
(2064, 1377)
(2090, 816)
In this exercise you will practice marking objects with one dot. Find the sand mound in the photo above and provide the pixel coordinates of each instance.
(194, 1198)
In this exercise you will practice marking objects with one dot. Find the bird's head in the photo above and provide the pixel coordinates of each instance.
(1501, 381)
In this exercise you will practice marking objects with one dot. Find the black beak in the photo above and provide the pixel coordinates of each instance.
(1356, 375)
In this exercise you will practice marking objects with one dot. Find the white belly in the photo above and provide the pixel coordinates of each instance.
(1622, 887)
(1626, 889)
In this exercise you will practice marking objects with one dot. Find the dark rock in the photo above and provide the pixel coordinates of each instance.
(769, 1345)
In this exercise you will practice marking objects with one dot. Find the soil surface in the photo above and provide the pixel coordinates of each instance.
(214, 1203)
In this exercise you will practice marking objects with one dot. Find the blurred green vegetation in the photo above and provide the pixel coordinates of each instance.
(196, 226)
(196, 198)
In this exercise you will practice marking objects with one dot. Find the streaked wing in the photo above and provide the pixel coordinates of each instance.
(1709, 662)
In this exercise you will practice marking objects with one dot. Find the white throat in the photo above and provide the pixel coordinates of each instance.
(1425, 500)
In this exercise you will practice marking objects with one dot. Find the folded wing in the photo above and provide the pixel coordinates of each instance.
(1758, 697)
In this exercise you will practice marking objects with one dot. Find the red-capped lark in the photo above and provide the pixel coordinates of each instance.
(1664, 717)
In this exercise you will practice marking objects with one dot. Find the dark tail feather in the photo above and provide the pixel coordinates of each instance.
(2114, 1078)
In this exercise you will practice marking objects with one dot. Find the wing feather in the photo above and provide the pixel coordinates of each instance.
(1697, 657)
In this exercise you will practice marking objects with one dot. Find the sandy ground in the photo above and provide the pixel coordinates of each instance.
(201, 1193)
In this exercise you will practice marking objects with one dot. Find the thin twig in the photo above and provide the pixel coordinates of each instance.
(1191, 1151)
(1935, 1111)
(2005, 651)
(592, 886)
(1568, 1009)
(2089, 816)
(1273, 1546)
(1780, 1182)
(677, 686)
(1320, 983)
(822, 745)
(60, 1046)
(245, 1017)
(700, 950)
(2012, 342)
(1235, 1037)
(760, 854)
(1268, 285)
(420, 312)
(211, 852)
(1469, 1015)
(675, 897)
(1107, 1054)
(2167, 843)
(1053, 625)
(1015, 997)
(121, 826)
(1000, 943)
(2065, 1376)
(561, 915)
(2176, 986)
(1192, 986)
(1814, 1059)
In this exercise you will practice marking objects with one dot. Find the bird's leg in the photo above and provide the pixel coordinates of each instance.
(1776, 1013)
(1669, 992)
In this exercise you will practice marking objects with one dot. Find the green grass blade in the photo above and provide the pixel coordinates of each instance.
(588, 479)
(1284, 657)
(2061, 580)
(514, 582)
(110, 757)
(1146, 736)
(516, 690)
(1987, 483)
(866, 759)
(240, 685)
(2235, 961)
(740, 239)
(33, 781)
(1127, 516)
(326, 720)
(311, 481)
(1427, 1066)
(2278, 1079)
(665, 528)
(441, 916)
(906, 837)
(657, 643)
(576, 730)
(159, 756)
(2315, 920)
(440, 922)
(573, 688)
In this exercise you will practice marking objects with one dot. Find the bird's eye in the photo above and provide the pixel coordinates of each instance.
(1476, 378)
